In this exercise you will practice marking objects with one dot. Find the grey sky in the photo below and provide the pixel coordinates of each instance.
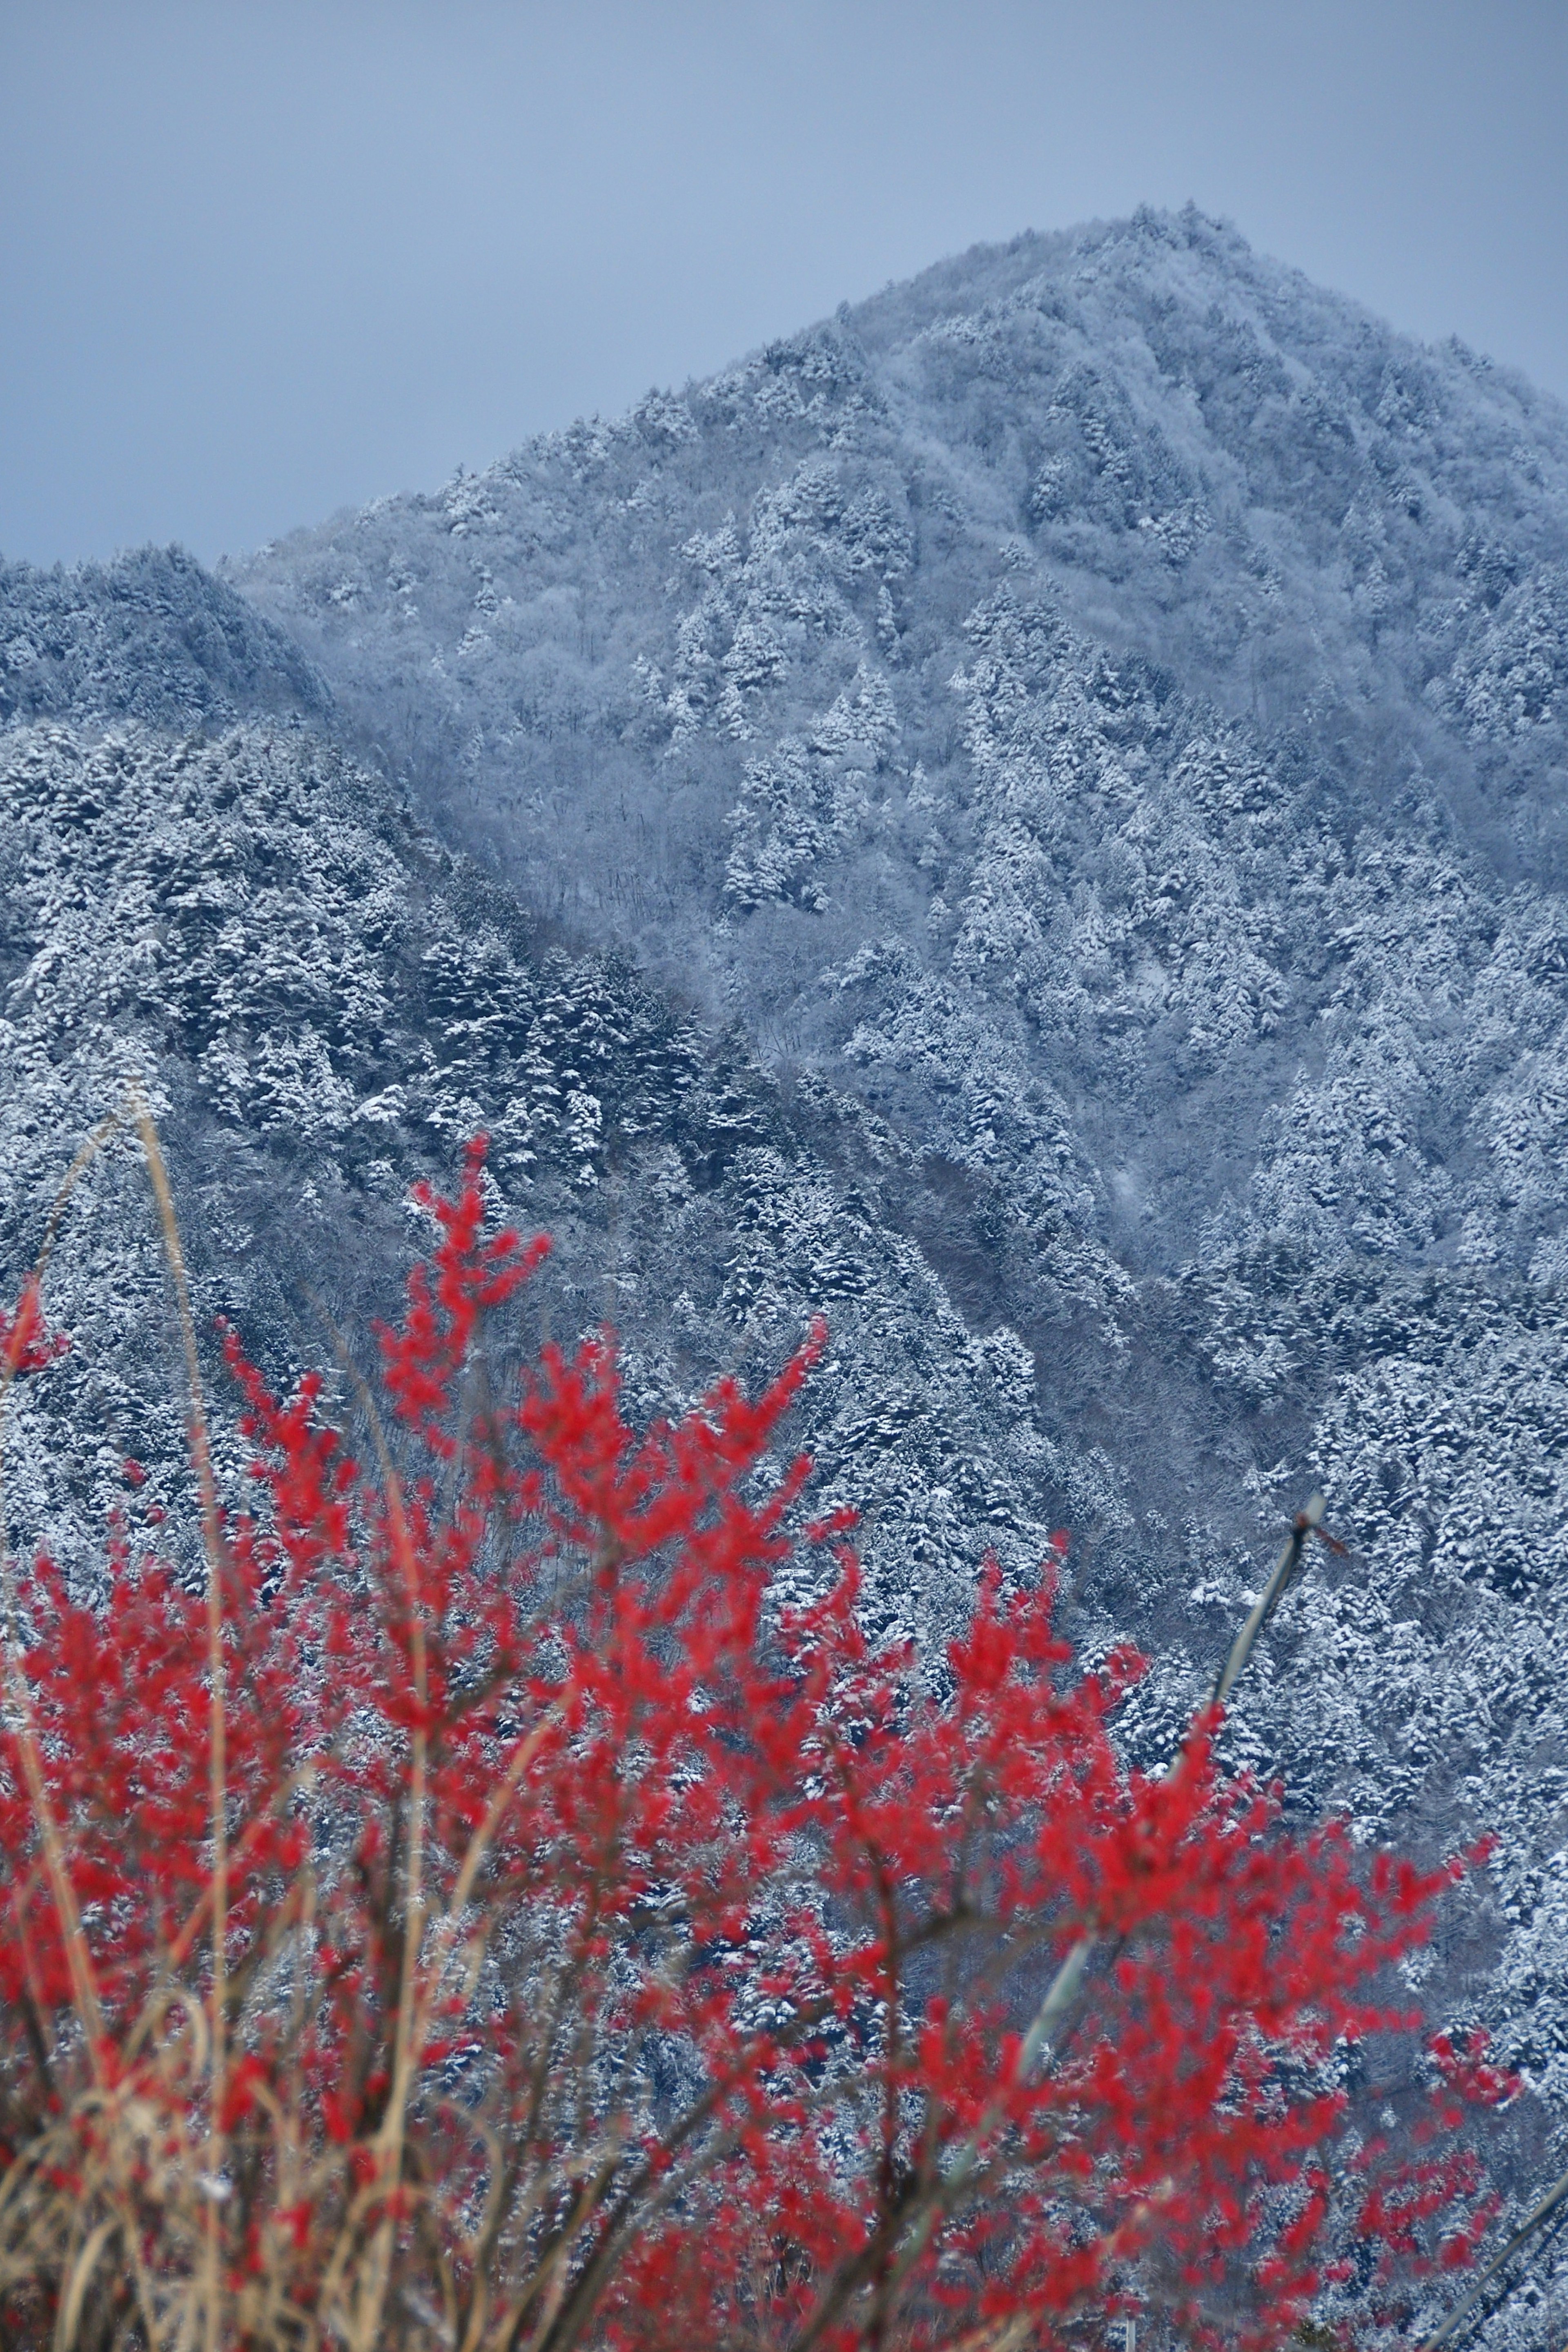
(258, 261)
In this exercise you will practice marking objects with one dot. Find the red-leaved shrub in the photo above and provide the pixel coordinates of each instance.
(531, 1940)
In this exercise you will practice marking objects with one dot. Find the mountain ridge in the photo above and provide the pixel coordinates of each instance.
(1102, 706)
(1076, 748)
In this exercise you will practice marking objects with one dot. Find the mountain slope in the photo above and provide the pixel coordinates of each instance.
(1102, 708)
(1028, 815)
(323, 1005)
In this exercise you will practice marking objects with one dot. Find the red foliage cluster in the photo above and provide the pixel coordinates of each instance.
(605, 1959)
(25, 1344)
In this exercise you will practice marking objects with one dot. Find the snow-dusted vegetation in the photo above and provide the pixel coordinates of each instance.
(1030, 816)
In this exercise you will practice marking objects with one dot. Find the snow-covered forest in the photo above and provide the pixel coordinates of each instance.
(1029, 817)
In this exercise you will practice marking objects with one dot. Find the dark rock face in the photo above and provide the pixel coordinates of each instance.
(1030, 815)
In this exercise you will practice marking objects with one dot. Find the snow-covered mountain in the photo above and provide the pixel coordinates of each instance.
(1031, 815)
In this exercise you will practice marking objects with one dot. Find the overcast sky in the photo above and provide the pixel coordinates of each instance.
(261, 260)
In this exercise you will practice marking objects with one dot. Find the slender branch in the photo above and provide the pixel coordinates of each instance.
(217, 1763)
(1306, 1523)
(1554, 2198)
(1037, 2046)
(84, 1983)
(395, 2123)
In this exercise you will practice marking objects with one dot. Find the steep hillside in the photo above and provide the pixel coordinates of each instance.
(1028, 816)
(323, 1004)
(1103, 707)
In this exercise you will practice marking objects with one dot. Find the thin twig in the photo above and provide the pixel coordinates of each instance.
(1037, 2045)
(217, 1762)
(84, 1983)
(1555, 2196)
(1306, 1523)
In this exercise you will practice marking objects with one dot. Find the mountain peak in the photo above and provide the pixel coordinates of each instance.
(1047, 793)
